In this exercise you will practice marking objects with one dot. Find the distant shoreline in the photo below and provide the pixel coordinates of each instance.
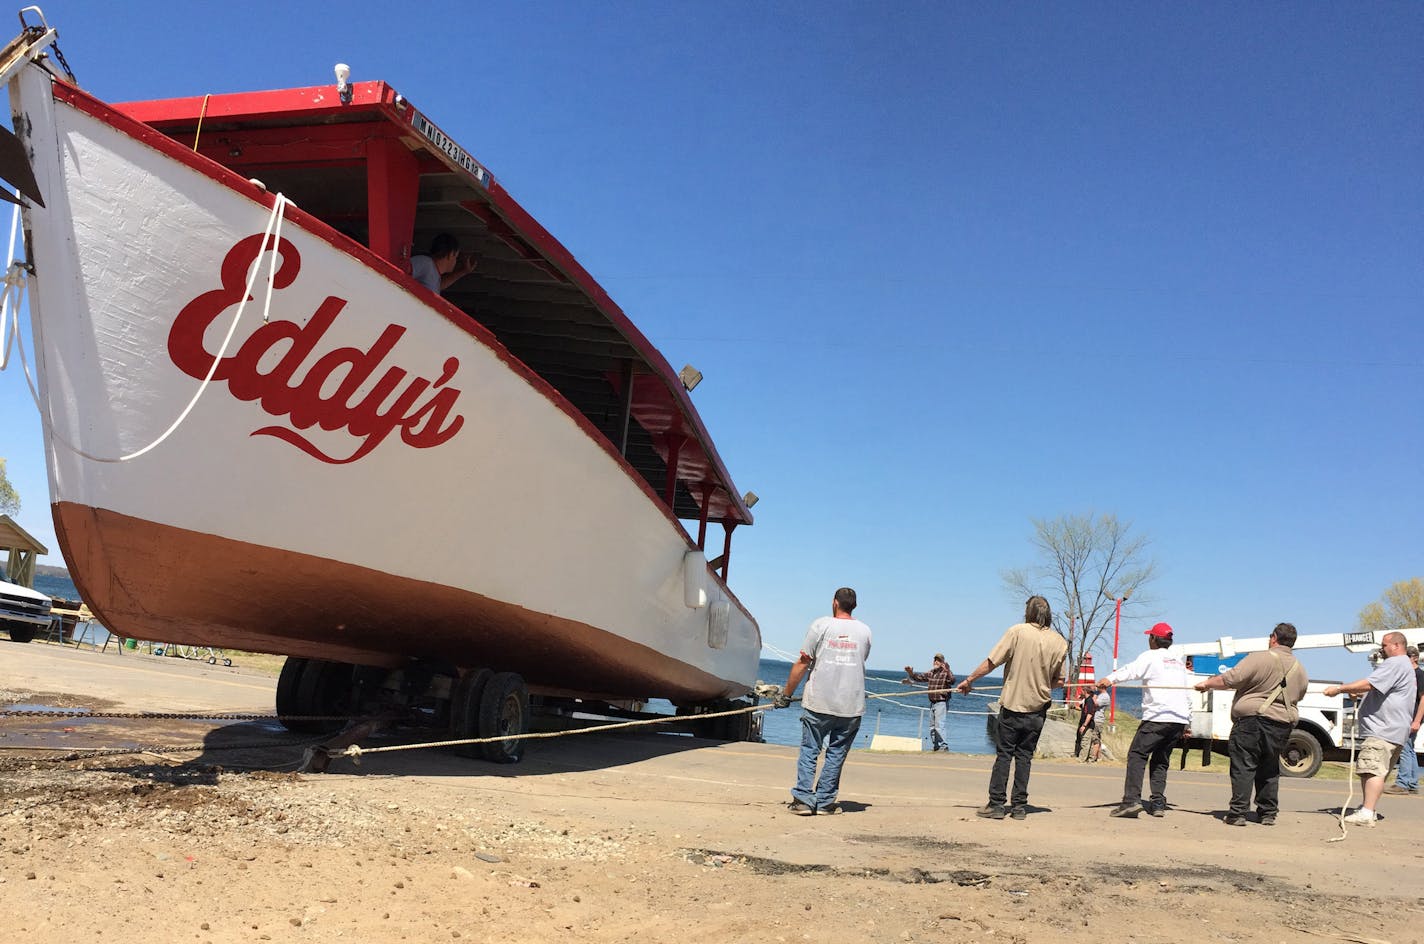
(46, 570)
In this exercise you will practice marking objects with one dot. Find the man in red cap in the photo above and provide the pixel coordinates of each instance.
(1166, 711)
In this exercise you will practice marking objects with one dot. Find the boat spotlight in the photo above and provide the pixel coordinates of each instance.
(690, 377)
(343, 82)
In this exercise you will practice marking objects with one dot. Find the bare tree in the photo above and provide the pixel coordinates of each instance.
(9, 498)
(1401, 607)
(1086, 562)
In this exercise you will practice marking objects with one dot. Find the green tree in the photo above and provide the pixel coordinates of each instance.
(1086, 562)
(9, 498)
(1401, 607)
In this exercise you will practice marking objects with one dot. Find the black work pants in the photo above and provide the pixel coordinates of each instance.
(1018, 739)
(1255, 747)
(1151, 750)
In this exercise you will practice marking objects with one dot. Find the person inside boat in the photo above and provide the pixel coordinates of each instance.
(443, 266)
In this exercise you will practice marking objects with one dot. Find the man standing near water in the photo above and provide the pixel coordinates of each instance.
(939, 678)
(1166, 712)
(833, 656)
(1032, 655)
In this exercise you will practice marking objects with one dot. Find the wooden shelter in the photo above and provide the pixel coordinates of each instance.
(22, 550)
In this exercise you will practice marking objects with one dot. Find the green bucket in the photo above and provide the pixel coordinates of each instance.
(130, 643)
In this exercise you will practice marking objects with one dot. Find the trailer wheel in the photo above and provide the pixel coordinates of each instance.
(504, 709)
(465, 710)
(287, 692)
(324, 688)
(1302, 755)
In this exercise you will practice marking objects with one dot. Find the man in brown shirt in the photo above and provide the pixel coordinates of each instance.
(1268, 685)
(1032, 655)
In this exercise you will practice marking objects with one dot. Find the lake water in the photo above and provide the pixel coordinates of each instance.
(907, 716)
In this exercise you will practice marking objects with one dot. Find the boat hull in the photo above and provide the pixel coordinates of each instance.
(368, 476)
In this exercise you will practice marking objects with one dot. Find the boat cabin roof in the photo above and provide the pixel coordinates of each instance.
(383, 174)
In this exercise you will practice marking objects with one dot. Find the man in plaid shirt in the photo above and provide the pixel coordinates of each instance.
(940, 679)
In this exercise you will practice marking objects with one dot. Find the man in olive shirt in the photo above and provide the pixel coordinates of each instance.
(1032, 654)
(1268, 685)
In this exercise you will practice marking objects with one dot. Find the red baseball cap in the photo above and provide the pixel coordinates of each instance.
(1160, 630)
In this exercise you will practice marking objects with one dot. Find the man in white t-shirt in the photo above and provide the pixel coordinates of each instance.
(1383, 720)
(833, 655)
(1166, 712)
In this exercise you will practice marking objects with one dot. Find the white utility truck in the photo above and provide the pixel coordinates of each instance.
(1326, 728)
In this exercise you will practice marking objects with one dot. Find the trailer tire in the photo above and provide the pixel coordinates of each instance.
(504, 709)
(287, 681)
(465, 710)
(324, 688)
(1302, 754)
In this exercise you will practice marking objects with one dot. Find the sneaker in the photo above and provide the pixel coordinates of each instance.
(1233, 819)
(1125, 811)
(1019, 812)
(1362, 817)
(801, 809)
(1268, 819)
(992, 811)
(1158, 810)
(1396, 790)
(830, 809)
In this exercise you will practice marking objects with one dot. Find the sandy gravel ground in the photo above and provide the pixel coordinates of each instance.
(636, 838)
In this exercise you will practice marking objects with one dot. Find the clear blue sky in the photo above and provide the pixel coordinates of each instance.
(947, 268)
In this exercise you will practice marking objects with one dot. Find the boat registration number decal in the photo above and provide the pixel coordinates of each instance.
(450, 149)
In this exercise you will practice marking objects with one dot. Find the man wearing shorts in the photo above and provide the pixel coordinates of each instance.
(1383, 720)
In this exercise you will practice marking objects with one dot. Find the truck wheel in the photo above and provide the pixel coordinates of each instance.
(1302, 755)
(21, 634)
(504, 709)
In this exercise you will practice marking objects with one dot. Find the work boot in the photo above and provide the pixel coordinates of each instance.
(1019, 812)
(1126, 811)
(801, 809)
(1234, 819)
(1395, 789)
(992, 811)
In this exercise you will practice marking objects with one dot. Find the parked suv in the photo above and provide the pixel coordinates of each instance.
(24, 612)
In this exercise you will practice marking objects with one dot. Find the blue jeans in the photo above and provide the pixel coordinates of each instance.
(939, 714)
(1408, 774)
(834, 733)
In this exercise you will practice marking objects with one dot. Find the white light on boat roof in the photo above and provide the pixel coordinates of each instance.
(690, 377)
(343, 82)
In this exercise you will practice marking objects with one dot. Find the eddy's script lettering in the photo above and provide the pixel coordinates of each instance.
(393, 402)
